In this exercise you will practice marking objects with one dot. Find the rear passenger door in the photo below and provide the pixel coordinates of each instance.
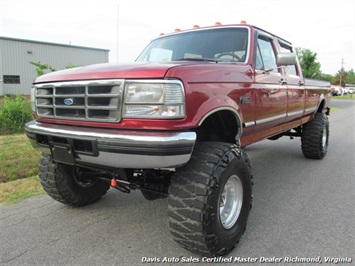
(295, 88)
(270, 93)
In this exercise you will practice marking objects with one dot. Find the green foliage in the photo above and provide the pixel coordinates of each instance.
(41, 68)
(15, 111)
(327, 77)
(350, 77)
(347, 77)
(308, 61)
(70, 66)
(311, 69)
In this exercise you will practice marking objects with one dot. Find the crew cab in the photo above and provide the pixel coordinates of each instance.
(175, 123)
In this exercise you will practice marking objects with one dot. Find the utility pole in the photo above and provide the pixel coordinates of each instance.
(341, 71)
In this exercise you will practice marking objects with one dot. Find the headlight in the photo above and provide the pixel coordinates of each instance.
(154, 99)
(137, 93)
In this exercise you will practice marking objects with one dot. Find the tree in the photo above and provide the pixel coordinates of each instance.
(350, 77)
(308, 61)
(347, 77)
(41, 68)
(327, 77)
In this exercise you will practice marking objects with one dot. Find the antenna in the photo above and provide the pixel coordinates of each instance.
(118, 16)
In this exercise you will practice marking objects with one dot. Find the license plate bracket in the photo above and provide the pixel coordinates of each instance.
(62, 153)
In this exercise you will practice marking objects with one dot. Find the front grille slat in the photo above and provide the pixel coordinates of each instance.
(83, 100)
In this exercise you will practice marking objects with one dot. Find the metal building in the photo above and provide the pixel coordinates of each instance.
(17, 74)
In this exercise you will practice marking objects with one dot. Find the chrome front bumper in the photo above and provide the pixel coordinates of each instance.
(112, 147)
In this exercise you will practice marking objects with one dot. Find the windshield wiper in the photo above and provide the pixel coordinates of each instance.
(196, 59)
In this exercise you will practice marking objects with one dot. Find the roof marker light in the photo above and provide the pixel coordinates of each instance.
(243, 22)
(177, 29)
(195, 26)
(218, 24)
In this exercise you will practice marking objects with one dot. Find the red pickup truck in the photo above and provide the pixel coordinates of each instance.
(174, 123)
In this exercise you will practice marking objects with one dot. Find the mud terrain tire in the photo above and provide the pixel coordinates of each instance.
(210, 199)
(315, 137)
(59, 181)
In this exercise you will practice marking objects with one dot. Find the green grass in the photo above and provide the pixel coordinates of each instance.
(18, 169)
(18, 190)
(15, 111)
(333, 109)
(18, 159)
(345, 97)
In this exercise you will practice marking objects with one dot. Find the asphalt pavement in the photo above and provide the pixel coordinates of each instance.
(303, 213)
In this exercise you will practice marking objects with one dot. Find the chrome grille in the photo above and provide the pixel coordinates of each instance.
(98, 100)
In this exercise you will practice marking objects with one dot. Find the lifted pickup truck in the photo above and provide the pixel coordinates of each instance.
(174, 124)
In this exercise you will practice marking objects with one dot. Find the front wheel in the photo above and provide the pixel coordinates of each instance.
(68, 185)
(210, 199)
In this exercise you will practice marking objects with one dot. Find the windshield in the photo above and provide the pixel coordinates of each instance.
(219, 45)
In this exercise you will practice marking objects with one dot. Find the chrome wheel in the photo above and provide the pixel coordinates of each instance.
(230, 202)
(324, 138)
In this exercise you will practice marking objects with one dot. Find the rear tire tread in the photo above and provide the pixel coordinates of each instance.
(312, 133)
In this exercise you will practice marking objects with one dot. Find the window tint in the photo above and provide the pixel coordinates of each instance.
(266, 55)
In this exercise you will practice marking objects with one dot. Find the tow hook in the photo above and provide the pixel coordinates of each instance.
(120, 185)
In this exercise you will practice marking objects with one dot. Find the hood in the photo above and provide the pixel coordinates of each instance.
(109, 71)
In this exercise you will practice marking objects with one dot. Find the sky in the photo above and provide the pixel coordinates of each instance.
(125, 27)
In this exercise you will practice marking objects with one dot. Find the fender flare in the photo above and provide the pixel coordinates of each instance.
(217, 104)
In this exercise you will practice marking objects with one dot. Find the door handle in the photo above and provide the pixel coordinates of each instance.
(283, 81)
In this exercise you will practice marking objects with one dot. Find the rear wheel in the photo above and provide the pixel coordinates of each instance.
(68, 185)
(315, 137)
(210, 199)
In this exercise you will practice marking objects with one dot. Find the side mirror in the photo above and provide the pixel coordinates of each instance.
(286, 59)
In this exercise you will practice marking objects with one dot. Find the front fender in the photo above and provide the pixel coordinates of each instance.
(216, 104)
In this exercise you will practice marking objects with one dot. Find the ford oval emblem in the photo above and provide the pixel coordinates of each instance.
(68, 101)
